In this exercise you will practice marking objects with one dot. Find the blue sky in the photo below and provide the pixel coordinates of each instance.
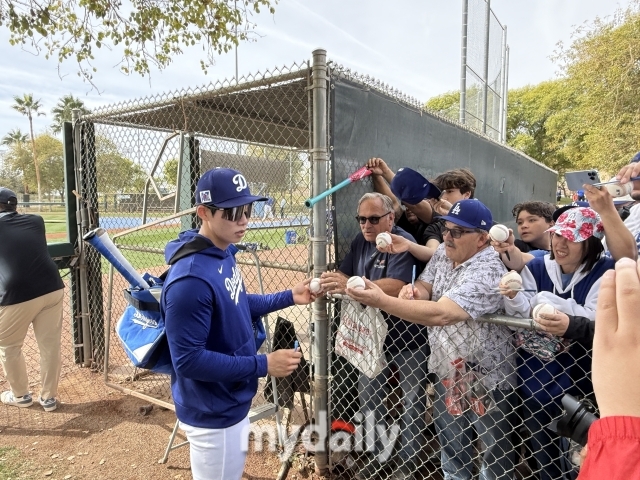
(413, 45)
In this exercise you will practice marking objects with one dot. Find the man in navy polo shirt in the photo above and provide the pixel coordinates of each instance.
(405, 344)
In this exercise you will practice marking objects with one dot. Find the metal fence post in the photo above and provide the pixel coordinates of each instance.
(319, 158)
(503, 86)
(485, 73)
(463, 67)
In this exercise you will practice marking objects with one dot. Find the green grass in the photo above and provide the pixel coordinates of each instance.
(10, 463)
(158, 238)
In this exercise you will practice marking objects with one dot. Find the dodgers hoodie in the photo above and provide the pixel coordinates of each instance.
(208, 317)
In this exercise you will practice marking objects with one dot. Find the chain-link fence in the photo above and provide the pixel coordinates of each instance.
(293, 133)
(149, 155)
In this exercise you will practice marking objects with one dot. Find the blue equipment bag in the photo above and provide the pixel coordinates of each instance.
(141, 328)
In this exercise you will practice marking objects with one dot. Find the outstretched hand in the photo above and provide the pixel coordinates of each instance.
(301, 293)
(508, 246)
(398, 244)
(371, 295)
(616, 344)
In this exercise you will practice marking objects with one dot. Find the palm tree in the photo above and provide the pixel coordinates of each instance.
(14, 137)
(15, 140)
(29, 107)
(62, 111)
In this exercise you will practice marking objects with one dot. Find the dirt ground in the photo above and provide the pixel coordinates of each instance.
(98, 432)
(110, 439)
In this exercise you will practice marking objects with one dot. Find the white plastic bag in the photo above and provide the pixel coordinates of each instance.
(360, 337)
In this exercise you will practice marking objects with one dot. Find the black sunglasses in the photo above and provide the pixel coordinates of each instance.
(372, 220)
(456, 232)
(233, 214)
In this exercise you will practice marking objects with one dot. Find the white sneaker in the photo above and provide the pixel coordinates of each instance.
(49, 405)
(9, 399)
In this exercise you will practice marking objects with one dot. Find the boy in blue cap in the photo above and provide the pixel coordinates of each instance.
(211, 330)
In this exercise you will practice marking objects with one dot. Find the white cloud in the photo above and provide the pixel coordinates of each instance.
(413, 45)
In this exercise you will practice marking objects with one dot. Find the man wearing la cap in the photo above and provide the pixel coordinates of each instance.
(453, 291)
(210, 323)
(31, 293)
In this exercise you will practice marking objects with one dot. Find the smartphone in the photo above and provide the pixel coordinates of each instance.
(575, 180)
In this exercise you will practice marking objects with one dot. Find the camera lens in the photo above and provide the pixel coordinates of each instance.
(575, 422)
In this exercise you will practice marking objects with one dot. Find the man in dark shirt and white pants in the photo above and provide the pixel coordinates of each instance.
(31, 292)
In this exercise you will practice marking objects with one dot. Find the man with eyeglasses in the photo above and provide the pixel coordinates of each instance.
(406, 343)
(212, 329)
(474, 361)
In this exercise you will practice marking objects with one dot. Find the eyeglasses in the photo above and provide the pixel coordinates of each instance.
(374, 220)
(233, 214)
(456, 232)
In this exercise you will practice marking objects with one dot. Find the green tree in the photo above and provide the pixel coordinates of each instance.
(29, 107)
(62, 111)
(535, 118)
(51, 161)
(18, 161)
(447, 105)
(116, 173)
(170, 172)
(146, 33)
(602, 69)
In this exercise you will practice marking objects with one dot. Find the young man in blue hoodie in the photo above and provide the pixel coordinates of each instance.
(210, 329)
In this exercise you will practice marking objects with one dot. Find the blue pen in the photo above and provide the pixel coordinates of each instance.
(413, 280)
(632, 179)
(295, 346)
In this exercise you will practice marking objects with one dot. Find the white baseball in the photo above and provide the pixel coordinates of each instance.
(512, 280)
(617, 190)
(499, 233)
(314, 286)
(542, 309)
(383, 240)
(355, 282)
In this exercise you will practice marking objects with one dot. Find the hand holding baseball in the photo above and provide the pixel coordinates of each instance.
(333, 282)
(392, 243)
(370, 295)
(510, 284)
(505, 246)
(302, 294)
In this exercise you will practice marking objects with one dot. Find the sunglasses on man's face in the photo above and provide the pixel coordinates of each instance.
(456, 232)
(373, 220)
(233, 214)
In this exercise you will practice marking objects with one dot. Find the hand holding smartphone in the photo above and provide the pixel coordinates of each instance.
(575, 180)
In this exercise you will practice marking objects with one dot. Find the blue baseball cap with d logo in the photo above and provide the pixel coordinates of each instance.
(224, 188)
(470, 213)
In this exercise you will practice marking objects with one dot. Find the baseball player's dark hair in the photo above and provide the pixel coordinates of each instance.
(541, 209)
(460, 178)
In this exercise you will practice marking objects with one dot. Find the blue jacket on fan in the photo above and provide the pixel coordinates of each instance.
(208, 317)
